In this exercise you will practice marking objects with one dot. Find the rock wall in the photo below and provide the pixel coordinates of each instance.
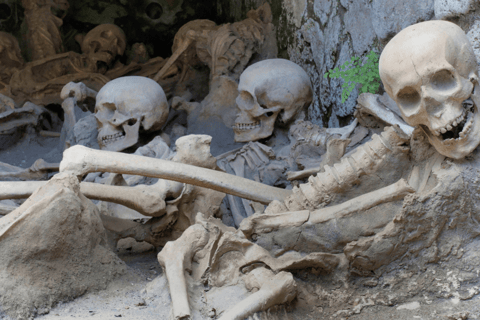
(323, 34)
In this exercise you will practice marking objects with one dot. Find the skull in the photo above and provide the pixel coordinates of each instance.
(103, 43)
(269, 89)
(430, 70)
(126, 105)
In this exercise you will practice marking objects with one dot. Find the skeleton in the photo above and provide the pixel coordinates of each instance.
(306, 203)
(225, 49)
(121, 112)
(268, 90)
(14, 122)
(42, 80)
(43, 35)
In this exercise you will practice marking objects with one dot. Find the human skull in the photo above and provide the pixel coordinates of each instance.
(430, 70)
(103, 43)
(126, 105)
(269, 89)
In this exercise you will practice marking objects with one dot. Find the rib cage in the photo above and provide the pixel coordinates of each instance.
(366, 159)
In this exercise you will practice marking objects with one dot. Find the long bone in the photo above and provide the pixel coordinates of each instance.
(365, 160)
(277, 289)
(148, 200)
(268, 222)
(82, 160)
(175, 258)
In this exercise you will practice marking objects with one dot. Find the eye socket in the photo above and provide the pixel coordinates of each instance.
(408, 98)
(443, 80)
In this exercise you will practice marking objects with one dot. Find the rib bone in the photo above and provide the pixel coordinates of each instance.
(83, 160)
(265, 223)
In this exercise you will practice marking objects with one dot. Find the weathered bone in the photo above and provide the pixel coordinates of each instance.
(412, 66)
(37, 171)
(148, 200)
(82, 160)
(190, 37)
(278, 289)
(368, 103)
(366, 159)
(175, 258)
(265, 223)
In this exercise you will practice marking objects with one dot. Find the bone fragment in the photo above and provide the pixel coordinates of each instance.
(82, 160)
(278, 289)
(45, 133)
(368, 103)
(189, 39)
(366, 159)
(265, 223)
(335, 151)
(37, 171)
(147, 200)
(175, 258)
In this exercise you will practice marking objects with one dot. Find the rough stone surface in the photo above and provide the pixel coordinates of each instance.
(474, 38)
(445, 9)
(390, 17)
(53, 249)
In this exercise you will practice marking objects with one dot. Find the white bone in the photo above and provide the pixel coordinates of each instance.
(82, 160)
(174, 258)
(368, 103)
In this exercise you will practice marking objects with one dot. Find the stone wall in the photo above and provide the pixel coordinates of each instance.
(323, 34)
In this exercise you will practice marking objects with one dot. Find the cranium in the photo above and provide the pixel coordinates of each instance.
(430, 70)
(126, 105)
(268, 89)
(103, 43)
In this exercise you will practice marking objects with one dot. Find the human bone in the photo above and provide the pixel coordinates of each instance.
(125, 106)
(430, 70)
(276, 289)
(269, 89)
(175, 258)
(37, 171)
(265, 223)
(369, 103)
(103, 43)
(82, 160)
(339, 177)
(43, 36)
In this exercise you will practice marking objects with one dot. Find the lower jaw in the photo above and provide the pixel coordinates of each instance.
(459, 149)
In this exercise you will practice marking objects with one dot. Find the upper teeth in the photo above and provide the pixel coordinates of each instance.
(112, 137)
(450, 126)
(246, 126)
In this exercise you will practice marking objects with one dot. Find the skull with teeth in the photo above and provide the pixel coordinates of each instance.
(103, 43)
(125, 106)
(269, 89)
(430, 70)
